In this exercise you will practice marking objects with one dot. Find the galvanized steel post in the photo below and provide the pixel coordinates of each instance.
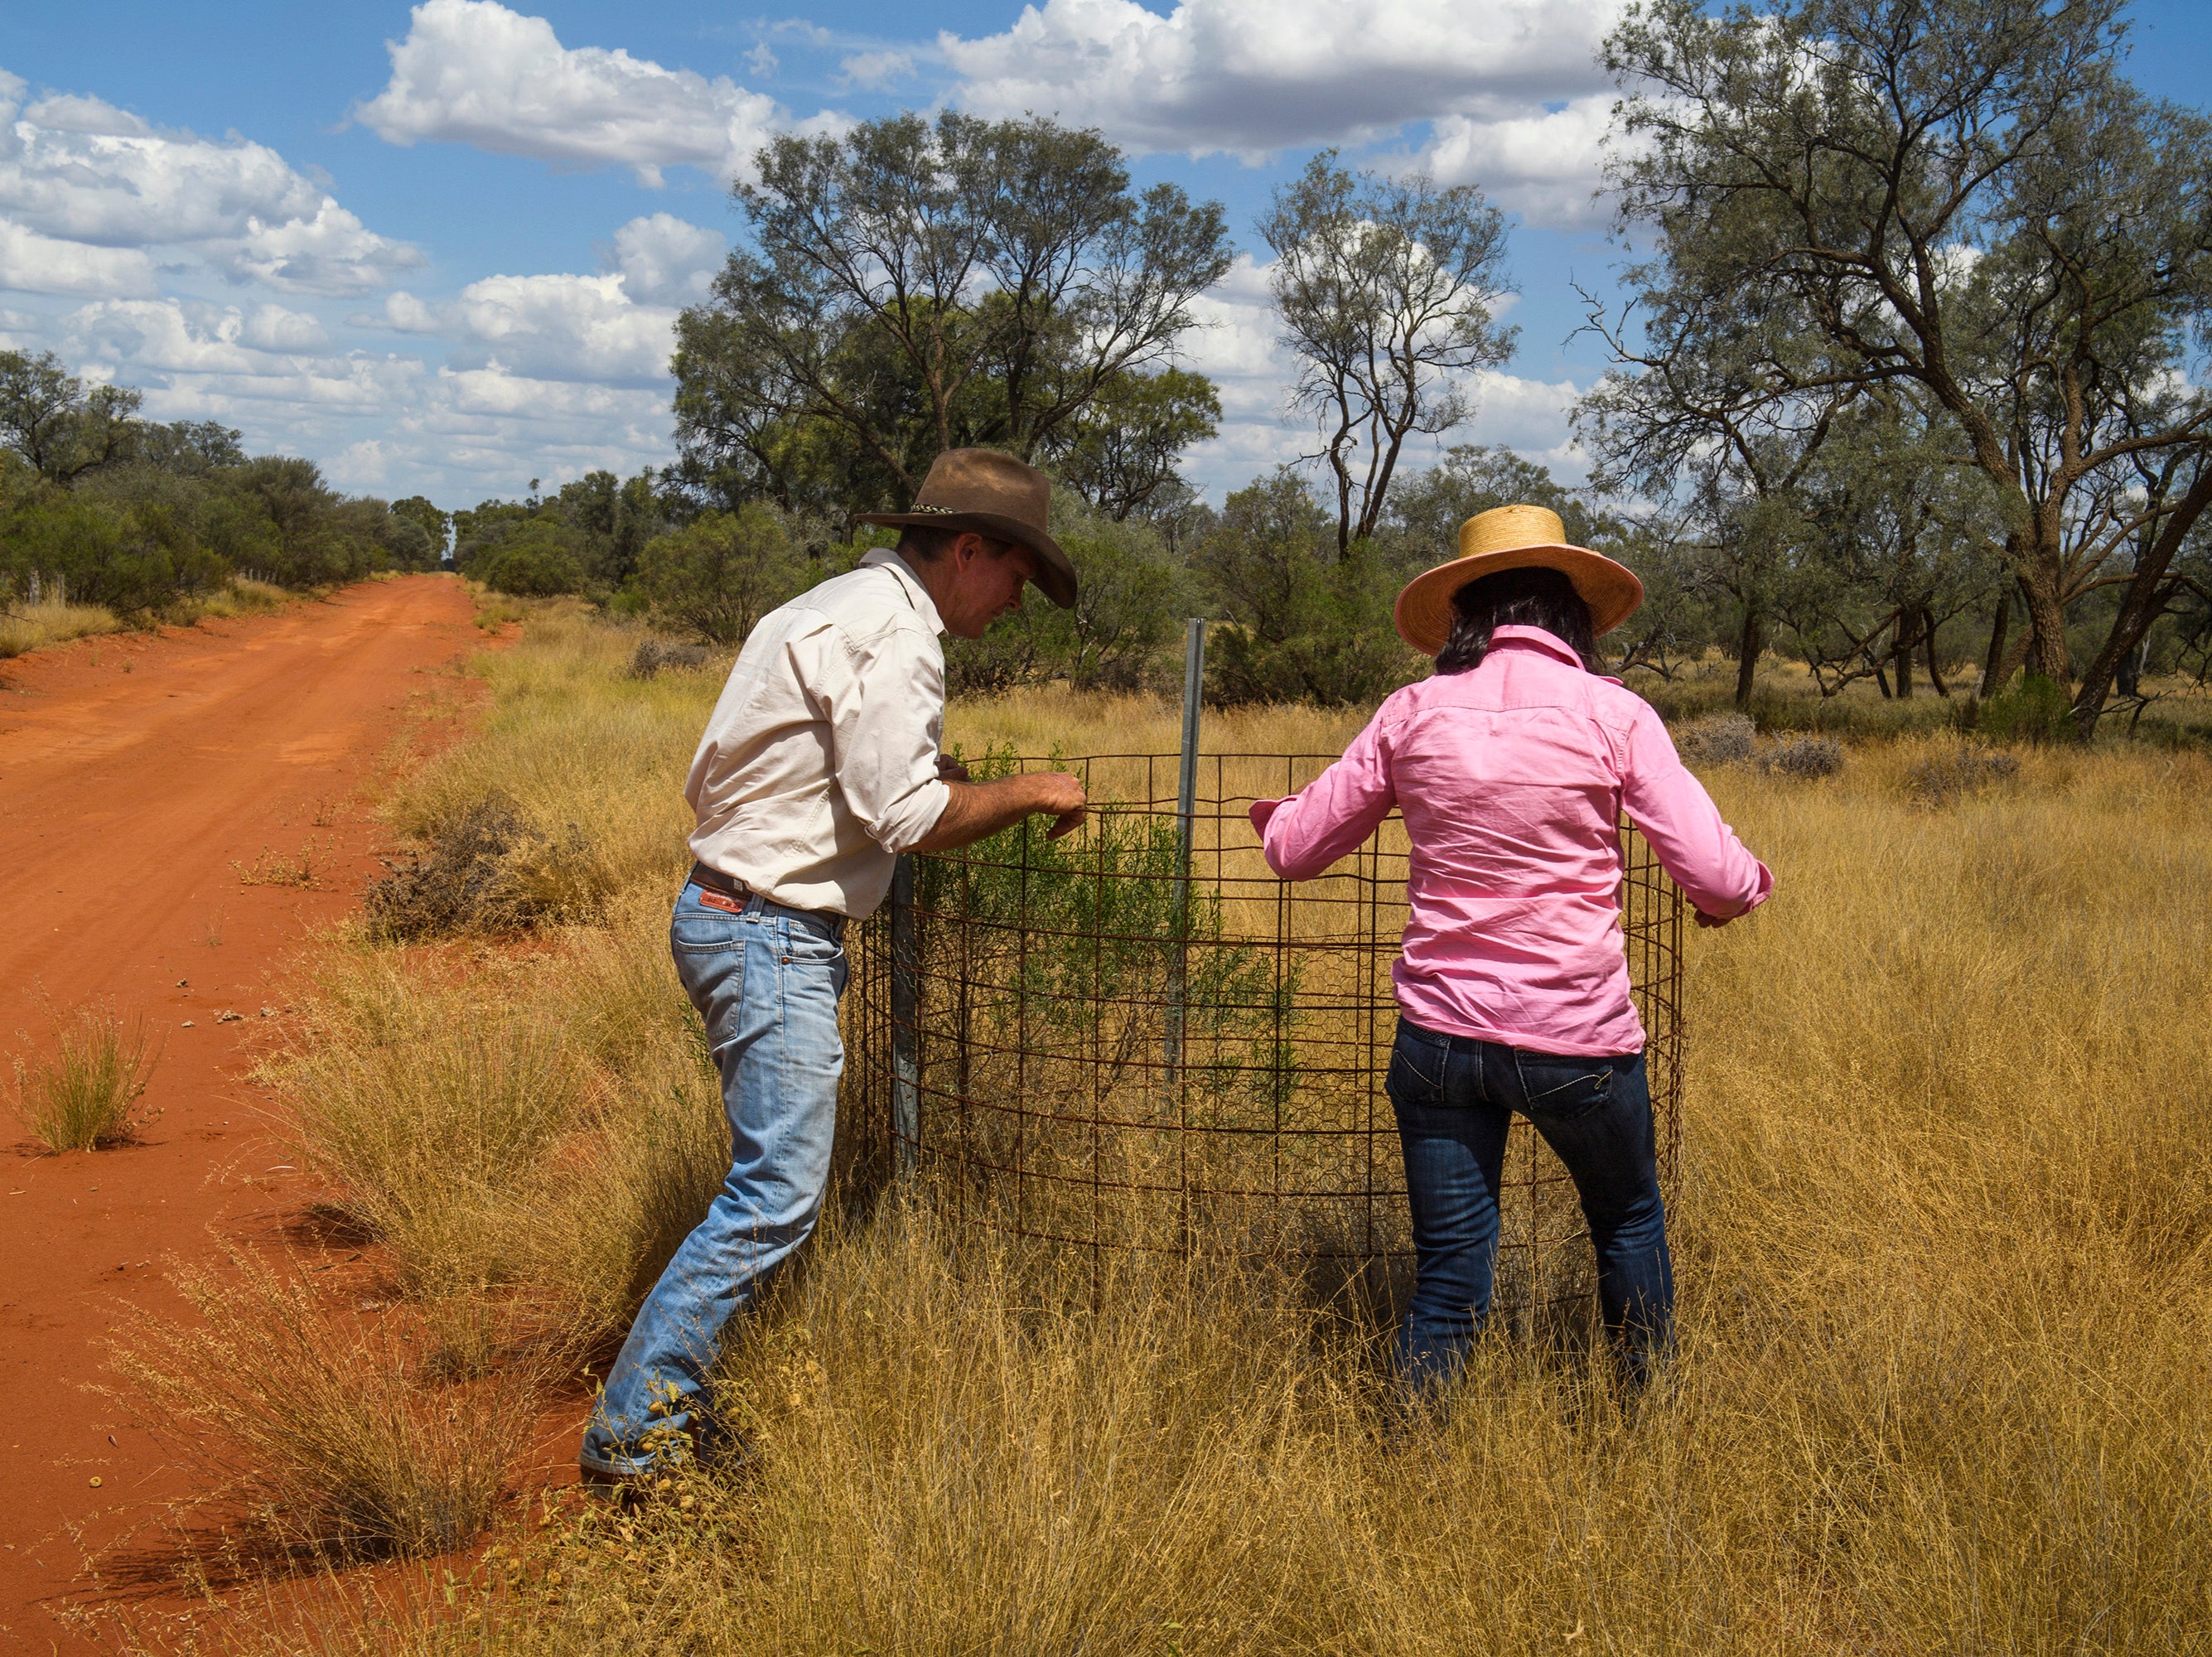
(1193, 685)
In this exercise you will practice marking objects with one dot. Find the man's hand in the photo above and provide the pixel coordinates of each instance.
(976, 810)
(950, 769)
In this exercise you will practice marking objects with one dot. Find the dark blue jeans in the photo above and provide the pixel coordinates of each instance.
(1455, 1097)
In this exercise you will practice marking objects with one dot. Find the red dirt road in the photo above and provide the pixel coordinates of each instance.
(148, 788)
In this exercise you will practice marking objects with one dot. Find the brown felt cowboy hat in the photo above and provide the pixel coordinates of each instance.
(1514, 538)
(994, 494)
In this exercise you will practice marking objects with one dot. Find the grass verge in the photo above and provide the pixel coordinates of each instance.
(317, 1434)
(1945, 1240)
(26, 628)
(91, 1092)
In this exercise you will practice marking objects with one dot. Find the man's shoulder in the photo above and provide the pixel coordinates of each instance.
(861, 601)
(859, 611)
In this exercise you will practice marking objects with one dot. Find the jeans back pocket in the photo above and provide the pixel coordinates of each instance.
(1562, 1085)
(1416, 1075)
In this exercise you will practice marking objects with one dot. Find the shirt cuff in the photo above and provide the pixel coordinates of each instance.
(910, 822)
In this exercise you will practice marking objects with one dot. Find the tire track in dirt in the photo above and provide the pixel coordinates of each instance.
(144, 782)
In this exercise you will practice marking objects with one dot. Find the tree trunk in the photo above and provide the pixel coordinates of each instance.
(2046, 614)
(1753, 641)
(1902, 654)
(1934, 668)
(2146, 599)
(1993, 662)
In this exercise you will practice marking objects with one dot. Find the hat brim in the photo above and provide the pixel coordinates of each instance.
(1055, 575)
(1423, 614)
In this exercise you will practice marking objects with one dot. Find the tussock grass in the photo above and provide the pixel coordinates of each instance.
(91, 1092)
(1945, 1241)
(25, 628)
(592, 761)
(550, 1131)
(241, 597)
(316, 1433)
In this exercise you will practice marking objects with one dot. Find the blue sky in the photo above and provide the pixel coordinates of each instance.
(437, 249)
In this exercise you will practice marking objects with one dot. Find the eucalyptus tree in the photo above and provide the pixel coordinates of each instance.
(1689, 419)
(61, 426)
(914, 285)
(1386, 289)
(1120, 452)
(1894, 544)
(1965, 197)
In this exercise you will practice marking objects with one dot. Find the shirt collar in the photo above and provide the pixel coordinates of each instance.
(1550, 643)
(917, 595)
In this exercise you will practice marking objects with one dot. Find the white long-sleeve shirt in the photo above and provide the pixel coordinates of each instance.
(819, 764)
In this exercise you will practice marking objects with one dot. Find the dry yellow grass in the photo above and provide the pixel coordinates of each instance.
(1944, 1236)
(33, 627)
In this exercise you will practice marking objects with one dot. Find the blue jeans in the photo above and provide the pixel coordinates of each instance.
(1455, 1097)
(766, 980)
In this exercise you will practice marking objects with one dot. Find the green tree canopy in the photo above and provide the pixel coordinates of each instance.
(1967, 199)
(916, 285)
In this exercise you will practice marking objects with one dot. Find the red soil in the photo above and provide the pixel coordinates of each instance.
(148, 785)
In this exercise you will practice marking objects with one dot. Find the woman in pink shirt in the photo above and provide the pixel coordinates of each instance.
(1513, 766)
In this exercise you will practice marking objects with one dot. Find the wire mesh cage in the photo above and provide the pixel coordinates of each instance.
(1138, 1038)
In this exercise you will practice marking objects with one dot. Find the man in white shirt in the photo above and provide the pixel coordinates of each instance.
(820, 765)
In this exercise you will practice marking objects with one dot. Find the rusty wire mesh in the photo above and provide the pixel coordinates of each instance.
(1087, 1047)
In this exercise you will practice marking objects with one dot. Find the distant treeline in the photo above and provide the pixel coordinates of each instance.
(1299, 619)
(102, 507)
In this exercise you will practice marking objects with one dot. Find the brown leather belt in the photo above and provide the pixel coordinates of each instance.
(713, 880)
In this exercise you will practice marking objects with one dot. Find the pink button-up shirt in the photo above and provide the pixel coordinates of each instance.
(1512, 779)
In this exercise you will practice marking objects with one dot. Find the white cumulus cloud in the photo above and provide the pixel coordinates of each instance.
(474, 72)
(1250, 77)
(665, 260)
(562, 328)
(33, 264)
(79, 170)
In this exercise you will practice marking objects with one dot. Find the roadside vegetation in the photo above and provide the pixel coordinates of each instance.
(1944, 1229)
(1910, 449)
(90, 1091)
(108, 521)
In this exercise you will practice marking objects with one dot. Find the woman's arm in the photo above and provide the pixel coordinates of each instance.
(1334, 813)
(1671, 809)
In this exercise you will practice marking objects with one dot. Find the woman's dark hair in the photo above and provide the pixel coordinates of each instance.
(1529, 597)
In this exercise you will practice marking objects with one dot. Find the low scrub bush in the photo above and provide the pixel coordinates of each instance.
(2036, 709)
(656, 655)
(92, 1092)
(465, 882)
(1945, 778)
(1717, 739)
(317, 1434)
(1801, 757)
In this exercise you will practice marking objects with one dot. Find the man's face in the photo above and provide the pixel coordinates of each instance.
(987, 582)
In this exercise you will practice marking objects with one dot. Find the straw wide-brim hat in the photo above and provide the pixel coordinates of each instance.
(993, 495)
(1514, 538)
